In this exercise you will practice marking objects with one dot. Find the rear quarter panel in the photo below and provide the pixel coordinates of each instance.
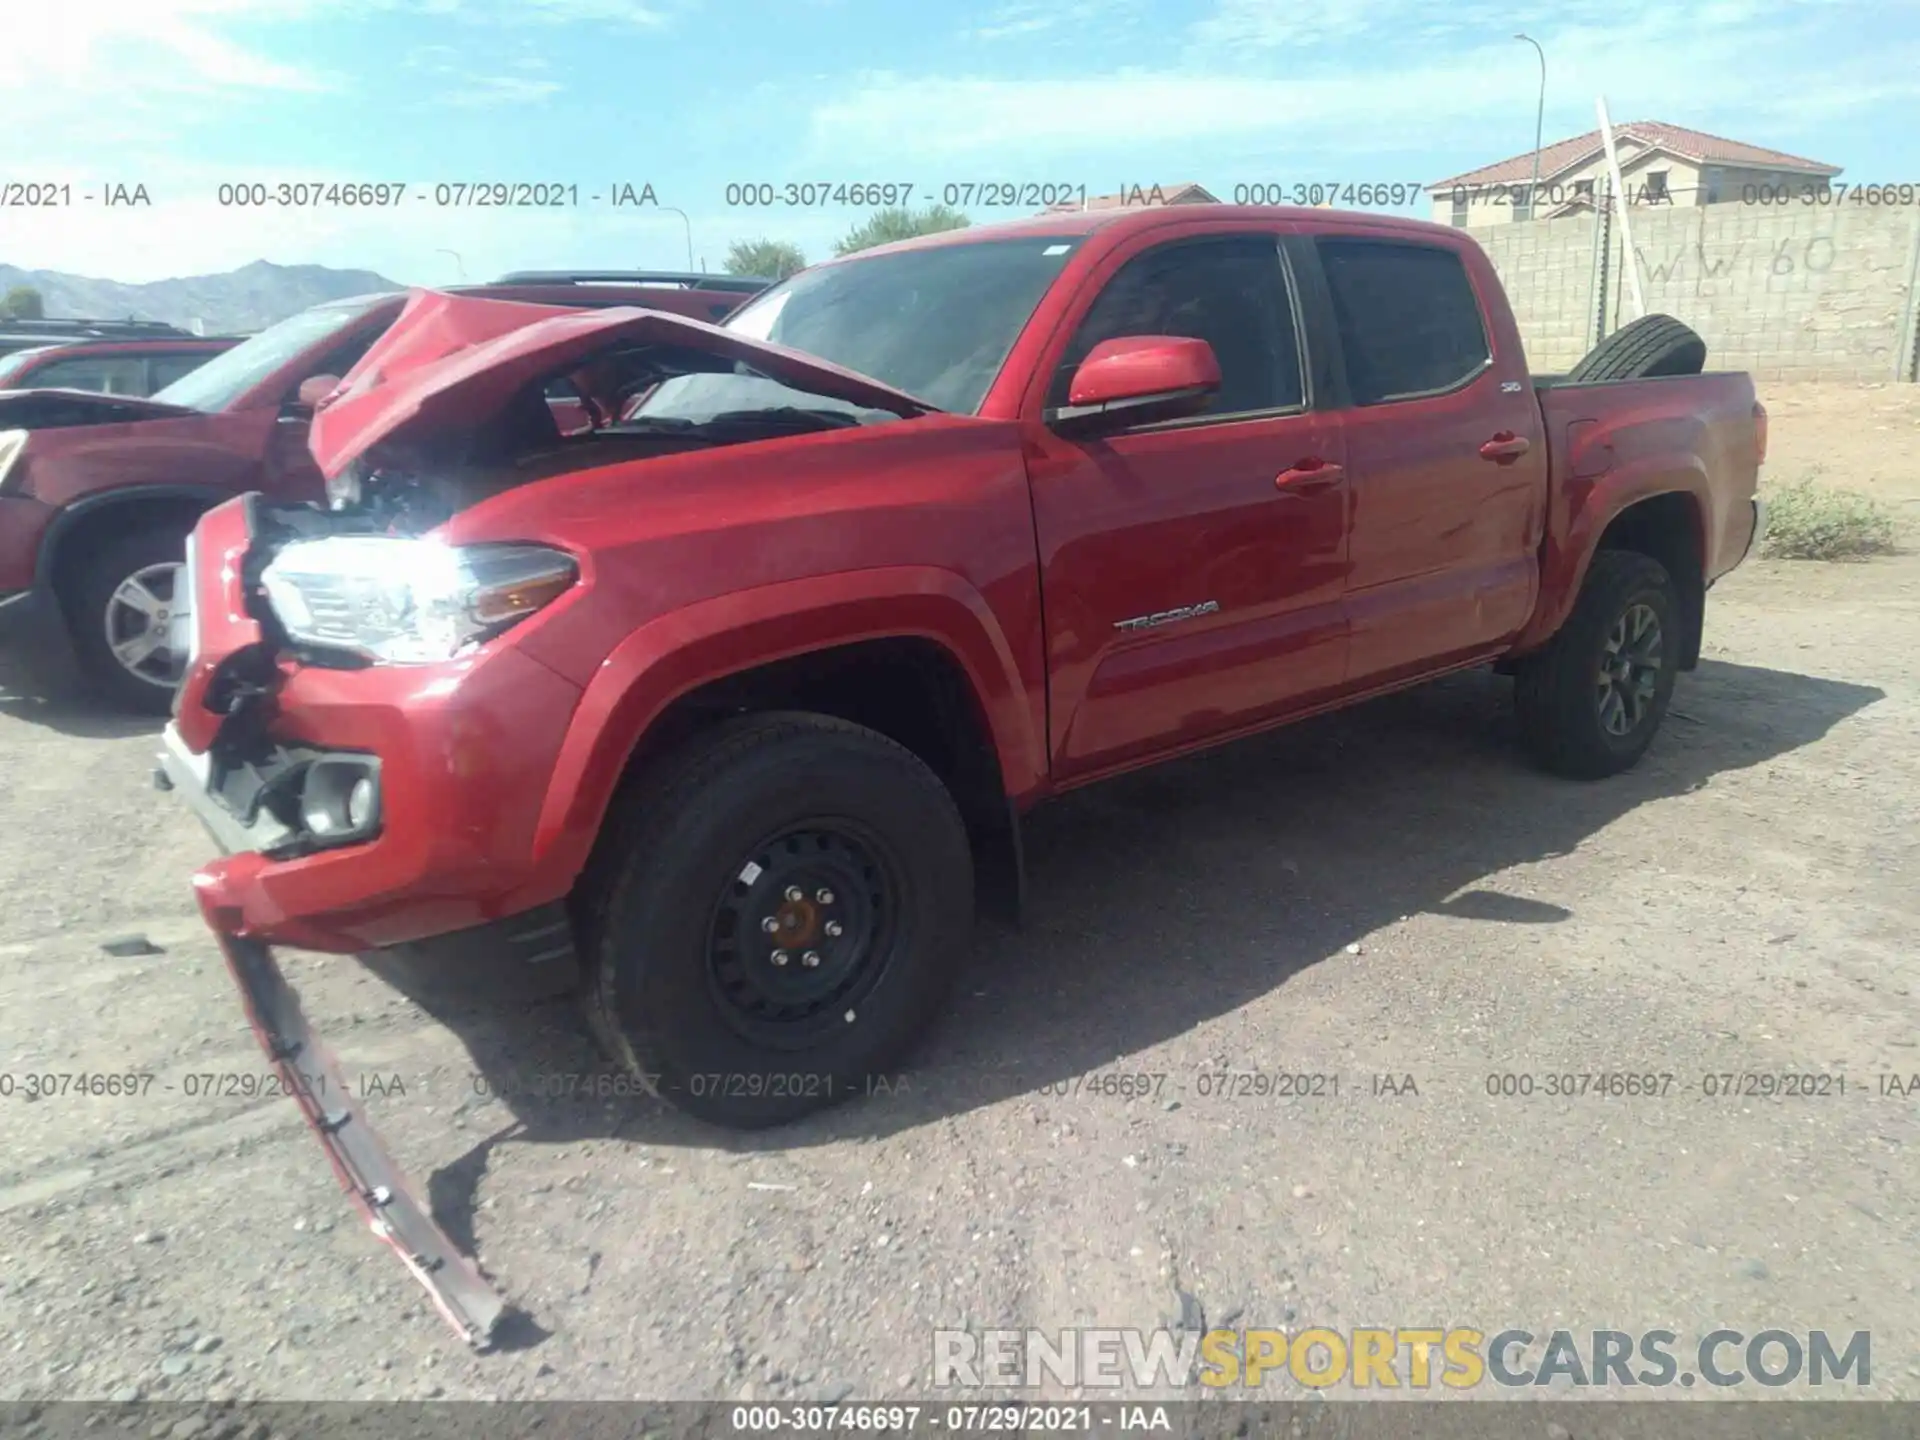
(1616, 443)
(214, 452)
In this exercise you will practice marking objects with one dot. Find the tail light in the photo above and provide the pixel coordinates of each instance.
(1760, 432)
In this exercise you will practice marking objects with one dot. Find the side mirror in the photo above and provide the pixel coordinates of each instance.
(1136, 379)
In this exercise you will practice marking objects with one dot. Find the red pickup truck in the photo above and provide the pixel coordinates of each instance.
(737, 694)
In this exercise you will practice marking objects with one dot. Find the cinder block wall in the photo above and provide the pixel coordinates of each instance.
(1803, 292)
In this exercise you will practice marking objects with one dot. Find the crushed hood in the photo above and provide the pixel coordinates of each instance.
(454, 359)
(57, 409)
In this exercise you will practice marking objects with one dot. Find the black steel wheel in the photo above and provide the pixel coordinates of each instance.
(775, 914)
(802, 932)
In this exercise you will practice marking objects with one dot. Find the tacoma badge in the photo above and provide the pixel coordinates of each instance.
(1167, 617)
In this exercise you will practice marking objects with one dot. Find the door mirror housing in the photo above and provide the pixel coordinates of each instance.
(1138, 379)
(313, 390)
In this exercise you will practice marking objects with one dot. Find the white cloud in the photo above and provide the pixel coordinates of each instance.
(138, 77)
(1238, 27)
(132, 77)
(1080, 20)
(1018, 125)
(176, 44)
(1205, 110)
(630, 12)
(537, 12)
(1012, 27)
(485, 91)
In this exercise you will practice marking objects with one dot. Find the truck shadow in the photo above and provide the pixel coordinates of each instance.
(1162, 900)
(48, 692)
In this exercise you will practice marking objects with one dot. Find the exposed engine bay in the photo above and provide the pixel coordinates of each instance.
(596, 414)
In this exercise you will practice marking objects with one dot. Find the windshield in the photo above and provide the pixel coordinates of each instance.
(12, 365)
(228, 376)
(936, 323)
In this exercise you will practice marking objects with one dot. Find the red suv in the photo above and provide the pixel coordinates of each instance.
(98, 492)
(111, 367)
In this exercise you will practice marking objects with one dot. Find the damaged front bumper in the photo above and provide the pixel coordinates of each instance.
(375, 1184)
(439, 773)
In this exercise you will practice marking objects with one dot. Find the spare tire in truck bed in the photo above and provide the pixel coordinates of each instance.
(1652, 345)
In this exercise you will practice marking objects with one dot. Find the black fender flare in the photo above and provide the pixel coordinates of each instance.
(70, 517)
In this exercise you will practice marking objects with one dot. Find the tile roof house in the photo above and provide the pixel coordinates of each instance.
(1186, 193)
(1660, 164)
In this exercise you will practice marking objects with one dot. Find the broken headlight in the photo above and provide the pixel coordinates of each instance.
(402, 601)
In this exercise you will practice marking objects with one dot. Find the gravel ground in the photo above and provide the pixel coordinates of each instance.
(1390, 892)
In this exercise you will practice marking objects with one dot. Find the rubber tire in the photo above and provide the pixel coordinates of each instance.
(1554, 689)
(678, 839)
(84, 599)
(1651, 346)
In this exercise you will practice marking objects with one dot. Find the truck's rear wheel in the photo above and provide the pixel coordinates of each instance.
(786, 904)
(1591, 701)
(125, 618)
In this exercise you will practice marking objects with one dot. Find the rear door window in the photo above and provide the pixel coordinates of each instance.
(109, 374)
(1409, 320)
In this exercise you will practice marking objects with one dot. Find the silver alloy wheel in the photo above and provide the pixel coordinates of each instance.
(1629, 670)
(142, 625)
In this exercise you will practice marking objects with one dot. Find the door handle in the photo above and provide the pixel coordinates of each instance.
(1505, 446)
(1309, 477)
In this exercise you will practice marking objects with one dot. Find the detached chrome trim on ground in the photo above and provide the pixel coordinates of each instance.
(375, 1184)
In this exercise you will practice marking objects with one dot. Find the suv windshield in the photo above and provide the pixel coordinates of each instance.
(228, 376)
(936, 323)
(12, 365)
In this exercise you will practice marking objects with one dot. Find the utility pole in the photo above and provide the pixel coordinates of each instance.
(688, 225)
(1629, 262)
(1539, 118)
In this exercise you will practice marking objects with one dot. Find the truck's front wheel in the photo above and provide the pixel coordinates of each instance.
(785, 905)
(1590, 702)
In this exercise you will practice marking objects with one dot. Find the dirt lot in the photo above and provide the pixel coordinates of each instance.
(1390, 892)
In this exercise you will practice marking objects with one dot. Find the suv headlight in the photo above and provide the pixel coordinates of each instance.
(12, 442)
(405, 601)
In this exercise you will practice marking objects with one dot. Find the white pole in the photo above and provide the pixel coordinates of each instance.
(1632, 265)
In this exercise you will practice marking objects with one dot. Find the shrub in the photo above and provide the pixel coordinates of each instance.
(1807, 520)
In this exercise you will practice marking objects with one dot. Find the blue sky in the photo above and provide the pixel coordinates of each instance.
(184, 95)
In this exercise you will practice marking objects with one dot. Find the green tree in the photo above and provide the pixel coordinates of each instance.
(22, 302)
(883, 227)
(770, 259)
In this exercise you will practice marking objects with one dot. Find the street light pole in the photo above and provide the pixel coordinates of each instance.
(1539, 116)
(688, 224)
